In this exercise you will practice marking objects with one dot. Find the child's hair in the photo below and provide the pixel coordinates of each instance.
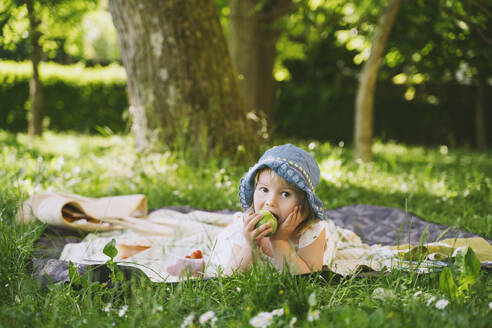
(309, 217)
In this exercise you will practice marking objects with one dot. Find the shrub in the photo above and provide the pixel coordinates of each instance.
(75, 97)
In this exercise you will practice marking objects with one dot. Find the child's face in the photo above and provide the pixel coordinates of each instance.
(273, 193)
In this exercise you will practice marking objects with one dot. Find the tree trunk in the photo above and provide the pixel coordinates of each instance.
(480, 118)
(35, 88)
(252, 39)
(364, 104)
(181, 85)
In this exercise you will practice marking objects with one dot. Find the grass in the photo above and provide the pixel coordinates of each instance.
(448, 186)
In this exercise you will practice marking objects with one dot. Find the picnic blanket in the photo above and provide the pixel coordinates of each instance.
(157, 243)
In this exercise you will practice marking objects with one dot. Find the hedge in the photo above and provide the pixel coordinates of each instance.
(81, 99)
(75, 98)
(325, 111)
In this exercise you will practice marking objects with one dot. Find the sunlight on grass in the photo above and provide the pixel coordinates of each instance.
(450, 186)
(101, 166)
(441, 184)
(376, 176)
(73, 144)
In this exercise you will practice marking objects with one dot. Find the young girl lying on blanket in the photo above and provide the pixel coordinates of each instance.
(172, 246)
(283, 182)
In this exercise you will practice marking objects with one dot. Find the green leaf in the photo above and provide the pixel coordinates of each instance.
(119, 276)
(470, 269)
(447, 284)
(110, 249)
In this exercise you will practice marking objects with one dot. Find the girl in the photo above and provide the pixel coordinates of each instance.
(168, 245)
(283, 182)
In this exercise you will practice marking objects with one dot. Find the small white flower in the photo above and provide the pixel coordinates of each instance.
(278, 312)
(441, 304)
(158, 309)
(113, 324)
(107, 308)
(261, 320)
(188, 322)
(432, 299)
(313, 315)
(206, 316)
(238, 289)
(490, 305)
(84, 321)
(292, 322)
(417, 293)
(123, 310)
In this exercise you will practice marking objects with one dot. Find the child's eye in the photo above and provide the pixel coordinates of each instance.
(263, 189)
(285, 194)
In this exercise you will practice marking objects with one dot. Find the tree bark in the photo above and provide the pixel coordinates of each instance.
(35, 87)
(364, 104)
(181, 84)
(252, 37)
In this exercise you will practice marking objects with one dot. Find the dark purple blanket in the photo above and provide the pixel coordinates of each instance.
(374, 224)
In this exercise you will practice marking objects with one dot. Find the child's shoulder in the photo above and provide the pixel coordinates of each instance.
(311, 233)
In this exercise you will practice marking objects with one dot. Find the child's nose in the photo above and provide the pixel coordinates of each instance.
(271, 200)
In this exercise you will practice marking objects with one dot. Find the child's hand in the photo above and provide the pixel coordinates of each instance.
(287, 227)
(252, 235)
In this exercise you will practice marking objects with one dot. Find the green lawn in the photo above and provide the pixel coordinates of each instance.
(448, 186)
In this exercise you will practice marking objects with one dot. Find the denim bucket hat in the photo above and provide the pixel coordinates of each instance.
(293, 164)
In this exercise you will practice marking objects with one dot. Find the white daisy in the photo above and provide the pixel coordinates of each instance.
(188, 322)
(107, 308)
(313, 315)
(278, 312)
(206, 317)
(441, 304)
(432, 299)
(123, 310)
(158, 309)
(262, 320)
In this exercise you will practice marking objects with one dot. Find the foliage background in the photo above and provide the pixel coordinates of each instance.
(426, 92)
(76, 98)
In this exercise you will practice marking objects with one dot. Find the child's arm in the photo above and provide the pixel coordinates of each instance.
(313, 254)
(308, 259)
(242, 256)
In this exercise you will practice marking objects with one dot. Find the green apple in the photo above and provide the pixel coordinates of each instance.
(267, 217)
